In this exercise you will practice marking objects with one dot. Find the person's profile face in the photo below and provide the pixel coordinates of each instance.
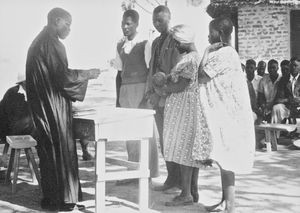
(161, 21)
(63, 26)
(128, 27)
(285, 70)
(295, 68)
(214, 35)
(272, 69)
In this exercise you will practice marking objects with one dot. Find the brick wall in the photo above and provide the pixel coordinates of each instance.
(264, 32)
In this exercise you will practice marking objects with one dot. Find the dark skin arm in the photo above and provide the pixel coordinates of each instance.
(118, 86)
(172, 87)
(261, 101)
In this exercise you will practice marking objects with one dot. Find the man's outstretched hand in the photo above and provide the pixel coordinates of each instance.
(94, 73)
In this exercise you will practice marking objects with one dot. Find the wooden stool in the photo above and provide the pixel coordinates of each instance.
(17, 143)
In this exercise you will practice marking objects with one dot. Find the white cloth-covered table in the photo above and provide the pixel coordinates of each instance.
(120, 124)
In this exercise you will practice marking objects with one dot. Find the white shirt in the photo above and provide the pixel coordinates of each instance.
(255, 82)
(127, 46)
(22, 91)
(294, 80)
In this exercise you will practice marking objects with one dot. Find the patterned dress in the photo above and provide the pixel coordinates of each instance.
(225, 102)
(180, 114)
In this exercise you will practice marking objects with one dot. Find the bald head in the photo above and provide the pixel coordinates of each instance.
(57, 13)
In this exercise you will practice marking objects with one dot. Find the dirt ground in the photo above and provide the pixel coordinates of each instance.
(273, 187)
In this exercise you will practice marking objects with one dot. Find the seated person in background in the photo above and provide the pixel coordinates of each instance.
(250, 68)
(267, 90)
(261, 68)
(294, 87)
(15, 116)
(281, 111)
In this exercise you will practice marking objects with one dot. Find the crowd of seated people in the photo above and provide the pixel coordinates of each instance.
(275, 96)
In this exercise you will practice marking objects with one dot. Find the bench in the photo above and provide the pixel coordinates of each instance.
(271, 133)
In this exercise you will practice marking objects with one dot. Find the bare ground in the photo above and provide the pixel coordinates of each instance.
(273, 187)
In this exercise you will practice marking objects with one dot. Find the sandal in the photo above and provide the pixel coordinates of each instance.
(180, 201)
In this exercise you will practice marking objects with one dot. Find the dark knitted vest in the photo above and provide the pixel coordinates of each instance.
(134, 65)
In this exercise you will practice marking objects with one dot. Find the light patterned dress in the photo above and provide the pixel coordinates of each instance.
(225, 102)
(180, 114)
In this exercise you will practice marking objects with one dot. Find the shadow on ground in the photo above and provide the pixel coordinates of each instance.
(272, 187)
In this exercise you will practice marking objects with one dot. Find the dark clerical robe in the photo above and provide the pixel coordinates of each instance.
(51, 88)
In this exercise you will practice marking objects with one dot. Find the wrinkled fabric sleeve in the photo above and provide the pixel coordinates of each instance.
(117, 64)
(72, 83)
(184, 69)
(218, 63)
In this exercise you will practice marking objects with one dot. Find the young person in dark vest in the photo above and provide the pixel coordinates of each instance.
(164, 57)
(132, 62)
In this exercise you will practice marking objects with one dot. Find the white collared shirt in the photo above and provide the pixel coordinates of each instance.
(294, 80)
(127, 46)
(268, 88)
(22, 91)
(255, 82)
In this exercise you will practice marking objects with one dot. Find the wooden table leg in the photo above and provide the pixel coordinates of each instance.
(10, 166)
(100, 175)
(268, 140)
(144, 180)
(274, 140)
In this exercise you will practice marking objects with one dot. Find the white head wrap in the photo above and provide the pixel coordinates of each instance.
(183, 33)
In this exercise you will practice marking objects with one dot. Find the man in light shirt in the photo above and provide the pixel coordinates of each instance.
(251, 76)
(132, 62)
(267, 89)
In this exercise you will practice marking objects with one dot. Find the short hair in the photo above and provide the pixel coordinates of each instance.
(57, 13)
(284, 62)
(222, 24)
(250, 62)
(261, 62)
(161, 8)
(295, 58)
(272, 61)
(133, 14)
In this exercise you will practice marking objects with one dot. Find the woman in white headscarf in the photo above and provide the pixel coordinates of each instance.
(180, 114)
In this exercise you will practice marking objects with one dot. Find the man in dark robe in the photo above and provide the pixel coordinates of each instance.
(51, 88)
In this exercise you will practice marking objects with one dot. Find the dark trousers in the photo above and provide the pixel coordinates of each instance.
(173, 169)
